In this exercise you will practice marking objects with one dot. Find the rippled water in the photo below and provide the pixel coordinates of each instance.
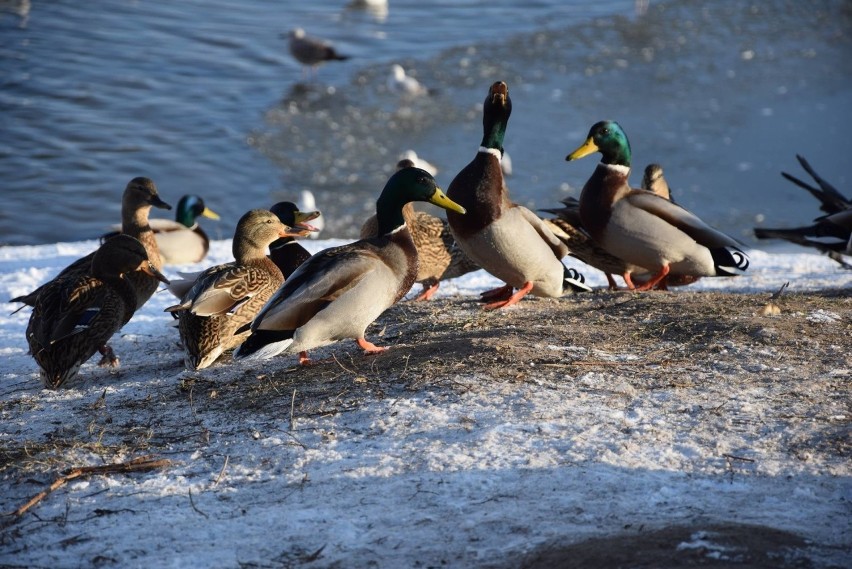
(203, 98)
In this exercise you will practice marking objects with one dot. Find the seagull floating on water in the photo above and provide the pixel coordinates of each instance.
(403, 84)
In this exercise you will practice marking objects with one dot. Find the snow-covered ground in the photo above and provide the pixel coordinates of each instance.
(467, 476)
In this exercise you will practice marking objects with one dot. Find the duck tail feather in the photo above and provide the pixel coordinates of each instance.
(729, 261)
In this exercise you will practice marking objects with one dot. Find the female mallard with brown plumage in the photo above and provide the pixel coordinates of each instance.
(227, 296)
(340, 291)
(439, 258)
(138, 198)
(74, 316)
(506, 239)
(642, 228)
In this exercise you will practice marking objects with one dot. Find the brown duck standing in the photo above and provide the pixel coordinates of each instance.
(227, 296)
(75, 315)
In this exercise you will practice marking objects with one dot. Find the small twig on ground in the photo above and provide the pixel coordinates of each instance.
(343, 367)
(222, 472)
(139, 464)
(292, 408)
(192, 503)
(733, 457)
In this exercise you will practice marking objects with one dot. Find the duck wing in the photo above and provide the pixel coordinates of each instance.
(679, 217)
(559, 248)
(318, 282)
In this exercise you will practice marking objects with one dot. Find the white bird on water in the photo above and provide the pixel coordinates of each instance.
(403, 84)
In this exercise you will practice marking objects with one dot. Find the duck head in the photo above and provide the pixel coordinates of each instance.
(142, 191)
(191, 207)
(120, 255)
(289, 214)
(495, 115)
(608, 138)
(256, 230)
(408, 185)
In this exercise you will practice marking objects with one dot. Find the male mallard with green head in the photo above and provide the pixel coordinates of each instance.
(645, 229)
(183, 241)
(340, 291)
(506, 239)
(138, 198)
(569, 228)
(75, 315)
(438, 255)
(227, 296)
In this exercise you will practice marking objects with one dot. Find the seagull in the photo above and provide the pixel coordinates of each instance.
(403, 84)
(311, 51)
(308, 203)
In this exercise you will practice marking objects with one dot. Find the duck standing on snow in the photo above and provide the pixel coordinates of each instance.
(642, 228)
(75, 315)
(831, 233)
(311, 51)
(227, 296)
(139, 197)
(340, 291)
(506, 239)
(439, 258)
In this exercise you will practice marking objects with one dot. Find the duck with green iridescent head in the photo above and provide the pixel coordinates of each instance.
(439, 258)
(75, 315)
(340, 291)
(645, 229)
(182, 241)
(506, 239)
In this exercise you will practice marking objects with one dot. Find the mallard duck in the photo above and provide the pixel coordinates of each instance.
(225, 297)
(75, 315)
(287, 253)
(340, 291)
(569, 228)
(645, 229)
(311, 51)
(830, 234)
(139, 196)
(181, 241)
(655, 182)
(506, 239)
(439, 258)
